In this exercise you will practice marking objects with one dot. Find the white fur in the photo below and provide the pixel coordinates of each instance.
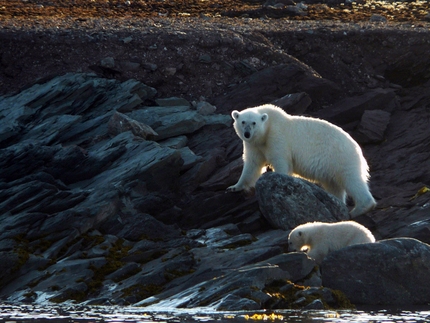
(322, 238)
(311, 148)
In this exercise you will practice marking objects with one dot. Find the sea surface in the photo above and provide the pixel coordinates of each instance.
(113, 314)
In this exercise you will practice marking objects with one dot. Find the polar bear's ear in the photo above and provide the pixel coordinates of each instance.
(264, 117)
(235, 114)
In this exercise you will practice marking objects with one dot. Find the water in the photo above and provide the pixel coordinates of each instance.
(96, 314)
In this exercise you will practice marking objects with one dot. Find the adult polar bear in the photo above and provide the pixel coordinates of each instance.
(311, 148)
(322, 238)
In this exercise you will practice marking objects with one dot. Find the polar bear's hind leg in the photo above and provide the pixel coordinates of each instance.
(336, 190)
(363, 199)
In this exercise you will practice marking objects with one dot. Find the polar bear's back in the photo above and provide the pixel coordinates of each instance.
(322, 238)
(339, 234)
(314, 142)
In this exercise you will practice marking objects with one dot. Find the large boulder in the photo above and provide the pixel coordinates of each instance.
(390, 272)
(287, 201)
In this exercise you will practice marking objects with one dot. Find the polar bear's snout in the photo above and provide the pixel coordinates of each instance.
(247, 132)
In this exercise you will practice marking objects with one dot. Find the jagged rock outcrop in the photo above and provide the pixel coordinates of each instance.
(108, 198)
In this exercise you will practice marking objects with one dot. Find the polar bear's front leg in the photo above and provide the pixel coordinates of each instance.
(318, 254)
(252, 167)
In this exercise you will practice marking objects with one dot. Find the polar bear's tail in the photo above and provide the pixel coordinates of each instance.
(365, 176)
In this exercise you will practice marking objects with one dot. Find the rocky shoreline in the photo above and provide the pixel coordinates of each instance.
(112, 189)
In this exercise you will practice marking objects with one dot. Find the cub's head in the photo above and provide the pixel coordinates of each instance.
(296, 240)
(249, 124)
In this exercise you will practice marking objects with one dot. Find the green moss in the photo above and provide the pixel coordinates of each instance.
(23, 256)
(42, 246)
(118, 250)
(93, 240)
(342, 301)
(113, 263)
(55, 288)
(22, 251)
(283, 292)
(86, 241)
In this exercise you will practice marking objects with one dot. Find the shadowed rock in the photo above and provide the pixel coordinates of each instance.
(391, 272)
(275, 82)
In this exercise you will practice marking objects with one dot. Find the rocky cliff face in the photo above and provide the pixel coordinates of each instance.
(111, 194)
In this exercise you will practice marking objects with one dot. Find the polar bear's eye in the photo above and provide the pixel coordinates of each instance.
(243, 122)
(253, 123)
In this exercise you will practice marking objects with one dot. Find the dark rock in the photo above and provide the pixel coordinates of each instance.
(127, 270)
(295, 103)
(108, 62)
(419, 230)
(287, 202)
(205, 108)
(212, 292)
(179, 124)
(315, 305)
(372, 126)
(175, 142)
(275, 82)
(10, 263)
(119, 123)
(129, 66)
(236, 303)
(297, 265)
(138, 227)
(169, 121)
(172, 102)
(390, 280)
(352, 108)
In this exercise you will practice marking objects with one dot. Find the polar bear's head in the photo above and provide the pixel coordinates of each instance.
(249, 124)
(297, 240)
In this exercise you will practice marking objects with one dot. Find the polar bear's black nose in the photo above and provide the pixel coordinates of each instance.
(247, 134)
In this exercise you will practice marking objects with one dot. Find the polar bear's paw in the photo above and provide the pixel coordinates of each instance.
(235, 188)
(364, 208)
(248, 191)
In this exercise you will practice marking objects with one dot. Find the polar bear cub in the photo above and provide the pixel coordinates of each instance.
(311, 148)
(321, 238)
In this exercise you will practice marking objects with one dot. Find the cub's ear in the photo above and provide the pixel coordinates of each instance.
(264, 117)
(235, 114)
